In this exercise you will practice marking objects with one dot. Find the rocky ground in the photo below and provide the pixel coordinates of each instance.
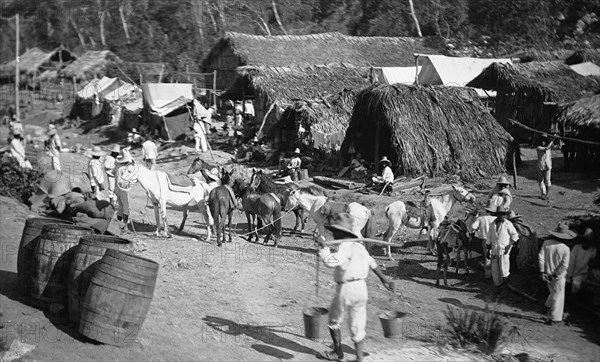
(245, 301)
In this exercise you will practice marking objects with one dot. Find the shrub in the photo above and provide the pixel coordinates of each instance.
(486, 330)
(17, 182)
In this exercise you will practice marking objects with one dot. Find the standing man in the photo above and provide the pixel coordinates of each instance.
(553, 261)
(200, 135)
(352, 263)
(581, 257)
(480, 230)
(500, 239)
(53, 146)
(500, 194)
(96, 173)
(149, 153)
(110, 168)
(123, 195)
(544, 165)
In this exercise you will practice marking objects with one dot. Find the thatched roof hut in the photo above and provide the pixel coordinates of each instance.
(318, 98)
(237, 49)
(582, 56)
(582, 116)
(429, 130)
(36, 61)
(92, 64)
(528, 92)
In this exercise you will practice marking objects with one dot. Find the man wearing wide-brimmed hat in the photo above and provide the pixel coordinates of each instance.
(110, 168)
(544, 165)
(352, 263)
(123, 195)
(500, 194)
(582, 256)
(480, 229)
(553, 260)
(295, 162)
(500, 238)
(387, 176)
(96, 172)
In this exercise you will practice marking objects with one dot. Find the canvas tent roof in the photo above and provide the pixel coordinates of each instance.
(393, 75)
(586, 69)
(454, 71)
(99, 87)
(123, 91)
(164, 98)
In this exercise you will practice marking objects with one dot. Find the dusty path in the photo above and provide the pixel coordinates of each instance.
(245, 301)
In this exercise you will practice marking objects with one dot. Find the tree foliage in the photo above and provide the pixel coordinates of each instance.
(182, 32)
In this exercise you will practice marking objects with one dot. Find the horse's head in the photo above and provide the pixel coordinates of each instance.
(293, 198)
(462, 194)
(127, 175)
(255, 179)
(226, 178)
(196, 166)
(239, 187)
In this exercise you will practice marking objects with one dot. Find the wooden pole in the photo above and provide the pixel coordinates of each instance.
(377, 137)
(417, 69)
(17, 100)
(162, 68)
(215, 87)
(514, 162)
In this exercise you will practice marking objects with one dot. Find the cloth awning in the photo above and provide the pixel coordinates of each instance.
(586, 69)
(393, 75)
(99, 88)
(123, 91)
(164, 98)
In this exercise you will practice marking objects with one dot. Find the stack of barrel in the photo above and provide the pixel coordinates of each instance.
(106, 289)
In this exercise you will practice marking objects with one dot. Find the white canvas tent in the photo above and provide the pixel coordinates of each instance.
(586, 69)
(454, 71)
(99, 88)
(123, 91)
(165, 108)
(394, 75)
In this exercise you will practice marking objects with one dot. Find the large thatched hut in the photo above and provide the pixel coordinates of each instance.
(237, 49)
(92, 64)
(431, 130)
(301, 106)
(528, 93)
(34, 62)
(581, 120)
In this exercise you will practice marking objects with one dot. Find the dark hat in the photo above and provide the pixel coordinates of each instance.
(501, 210)
(588, 234)
(563, 232)
(343, 222)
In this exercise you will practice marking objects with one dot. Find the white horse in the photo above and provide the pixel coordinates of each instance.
(162, 192)
(322, 210)
(436, 207)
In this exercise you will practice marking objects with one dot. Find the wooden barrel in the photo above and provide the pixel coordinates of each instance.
(29, 240)
(118, 298)
(303, 174)
(52, 262)
(294, 175)
(87, 254)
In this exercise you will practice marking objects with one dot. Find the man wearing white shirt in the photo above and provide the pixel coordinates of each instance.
(480, 229)
(17, 150)
(149, 153)
(500, 239)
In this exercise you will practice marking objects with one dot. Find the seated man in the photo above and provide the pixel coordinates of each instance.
(387, 176)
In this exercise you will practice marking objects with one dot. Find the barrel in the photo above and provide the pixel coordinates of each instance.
(303, 174)
(294, 175)
(52, 262)
(87, 254)
(118, 298)
(391, 322)
(315, 320)
(29, 239)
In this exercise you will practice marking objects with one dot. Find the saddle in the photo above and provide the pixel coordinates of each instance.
(417, 213)
(180, 180)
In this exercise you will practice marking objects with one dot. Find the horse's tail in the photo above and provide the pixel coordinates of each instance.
(277, 221)
(367, 230)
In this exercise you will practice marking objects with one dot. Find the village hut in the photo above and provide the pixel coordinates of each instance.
(431, 130)
(35, 62)
(581, 120)
(237, 49)
(92, 64)
(529, 92)
(302, 106)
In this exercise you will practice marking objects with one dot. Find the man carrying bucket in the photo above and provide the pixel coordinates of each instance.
(352, 263)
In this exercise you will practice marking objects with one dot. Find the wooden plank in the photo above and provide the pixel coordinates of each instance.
(343, 171)
(334, 182)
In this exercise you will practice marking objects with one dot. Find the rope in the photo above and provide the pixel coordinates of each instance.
(265, 226)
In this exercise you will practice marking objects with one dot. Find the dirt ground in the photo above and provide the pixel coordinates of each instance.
(245, 301)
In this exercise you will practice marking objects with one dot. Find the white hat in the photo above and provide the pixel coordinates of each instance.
(126, 158)
(97, 151)
(297, 151)
(385, 159)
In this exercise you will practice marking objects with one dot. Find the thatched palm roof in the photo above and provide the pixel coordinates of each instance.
(36, 60)
(584, 113)
(428, 130)
(545, 81)
(325, 48)
(92, 64)
(582, 56)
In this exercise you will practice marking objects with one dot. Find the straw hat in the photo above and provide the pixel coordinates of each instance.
(501, 210)
(343, 222)
(115, 149)
(502, 181)
(97, 152)
(490, 206)
(125, 158)
(385, 159)
(62, 186)
(563, 232)
(297, 152)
